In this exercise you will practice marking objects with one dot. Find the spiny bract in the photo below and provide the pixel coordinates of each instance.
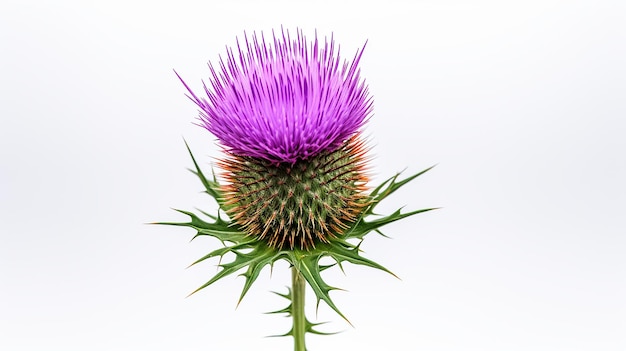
(299, 205)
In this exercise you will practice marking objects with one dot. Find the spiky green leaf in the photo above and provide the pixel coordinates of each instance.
(363, 227)
(309, 267)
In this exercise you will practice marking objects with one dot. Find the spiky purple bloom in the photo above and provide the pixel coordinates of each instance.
(284, 101)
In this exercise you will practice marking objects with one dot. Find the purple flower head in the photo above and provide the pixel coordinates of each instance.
(285, 100)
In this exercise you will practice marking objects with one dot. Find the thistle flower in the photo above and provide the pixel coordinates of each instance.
(289, 114)
(286, 101)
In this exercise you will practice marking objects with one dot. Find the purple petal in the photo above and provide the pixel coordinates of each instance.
(285, 101)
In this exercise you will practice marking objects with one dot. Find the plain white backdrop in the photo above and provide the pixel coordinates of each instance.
(520, 103)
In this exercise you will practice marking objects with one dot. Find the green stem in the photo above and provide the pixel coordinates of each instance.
(297, 309)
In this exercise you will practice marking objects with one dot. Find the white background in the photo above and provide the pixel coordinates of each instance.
(521, 104)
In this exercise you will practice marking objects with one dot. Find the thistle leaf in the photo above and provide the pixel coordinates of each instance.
(393, 186)
(309, 328)
(363, 227)
(221, 252)
(219, 229)
(261, 256)
(241, 261)
(388, 187)
(309, 267)
(340, 254)
(211, 186)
